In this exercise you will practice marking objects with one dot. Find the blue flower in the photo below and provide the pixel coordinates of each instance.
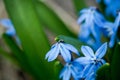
(9, 27)
(92, 61)
(10, 31)
(113, 7)
(72, 69)
(114, 37)
(64, 49)
(90, 23)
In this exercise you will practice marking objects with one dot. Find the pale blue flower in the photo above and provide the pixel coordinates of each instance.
(91, 21)
(10, 30)
(63, 49)
(8, 26)
(92, 61)
(72, 69)
(114, 37)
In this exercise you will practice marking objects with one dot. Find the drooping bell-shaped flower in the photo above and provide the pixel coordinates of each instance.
(63, 49)
(91, 20)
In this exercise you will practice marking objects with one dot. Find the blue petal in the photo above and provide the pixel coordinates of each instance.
(107, 29)
(65, 53)
(112, 40)
(87, 70)
(54, 45)
(91, 76)
(99, 22)
(77, 66)
(83, 60)
(84, 11)
(67, 74)
(87, 51)
(103, 61)
(89, 19)
(113, 37)
(52, 54)
(117, 22)
(63, 72)
(6, 23)
(74, 72)
(101, 51)
(95, 32)
(84, 33)
(81, 18)
(99, 19)
(71, 48)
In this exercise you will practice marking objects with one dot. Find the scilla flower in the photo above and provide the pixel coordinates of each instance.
(8, 26)
(10, 31)
(63, 49)
(92, 61)
(90, 21)
(71, 69)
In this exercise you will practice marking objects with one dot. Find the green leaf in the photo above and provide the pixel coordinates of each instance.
(17, 53)
(103, 72)
(51, 20)
(115, 64)
(76, 43)
(34, 42)
(79, 4)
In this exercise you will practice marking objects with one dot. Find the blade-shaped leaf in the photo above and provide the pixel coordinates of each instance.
(17, 53)
(115, 64)
(34, 42)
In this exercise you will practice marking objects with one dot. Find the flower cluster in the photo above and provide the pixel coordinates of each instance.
(93, 26)
(81, 67)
